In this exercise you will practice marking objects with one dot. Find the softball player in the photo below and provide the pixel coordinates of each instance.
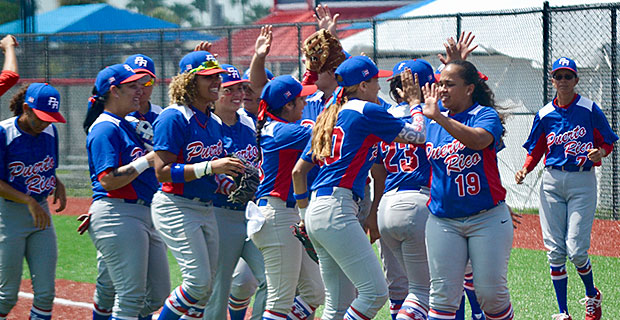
(231, 216)
(188, 144)
(344, 141)
(469, 217)
(574, 135)
(287, 266)
(402, 211)
(123, 187)
(142, 118)
(29, 157)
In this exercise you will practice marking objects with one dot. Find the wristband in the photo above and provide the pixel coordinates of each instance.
(177, 173)
(202, 168)
(140, 164)
(302, 213)
(302, 196)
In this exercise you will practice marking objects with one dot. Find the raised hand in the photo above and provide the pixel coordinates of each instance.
(411, 91)
(431, 99)
(458, 50)
(325, 20)
(263, 42)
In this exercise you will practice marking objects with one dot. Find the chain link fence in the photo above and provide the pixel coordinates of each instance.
(516, 50)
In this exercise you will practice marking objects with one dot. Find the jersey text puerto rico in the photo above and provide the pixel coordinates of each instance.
(572, 147)
(197, 149)
(455, 161)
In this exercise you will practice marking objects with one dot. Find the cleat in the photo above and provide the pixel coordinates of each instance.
(561, 316)
(593, 306)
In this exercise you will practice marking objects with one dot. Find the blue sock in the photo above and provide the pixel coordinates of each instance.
(460, 313)
(435, 314)
(237, 314)
(585, 272)
(101, 314)
(37, 313)
(395, 306)
(560, 283)
(471, 294)
(177, 304)
(237, 307)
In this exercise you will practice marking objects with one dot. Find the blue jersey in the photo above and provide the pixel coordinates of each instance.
(570, 132)
(315, 103)
(193, 137)
(248, 114)
(464, 181)
(359, 127)
(243, 145)
(406, 164)
(281, 145)
(150, 116)
(112, 143)
(28, 162)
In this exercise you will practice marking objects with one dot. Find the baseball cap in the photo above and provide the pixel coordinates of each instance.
(201, 62)
(246, 74)
(283, 89)
(564, 63)
(232, 77)
(115, 75)
(357, 69)
(141, 63)
(419, 66)
(44, 101)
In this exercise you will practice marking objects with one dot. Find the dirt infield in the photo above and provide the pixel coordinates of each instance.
(75, 299)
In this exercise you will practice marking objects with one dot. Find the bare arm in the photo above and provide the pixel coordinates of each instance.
(258, 76)
(473, 138)
(8, 44)
(164, 160)
(300, 180)
(414, 132)
(124, 175)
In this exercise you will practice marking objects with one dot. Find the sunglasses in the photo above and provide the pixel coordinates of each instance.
(150, 83)
(566, 76)
(207, 65)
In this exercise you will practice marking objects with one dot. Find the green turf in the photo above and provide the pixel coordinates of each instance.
(528, 276)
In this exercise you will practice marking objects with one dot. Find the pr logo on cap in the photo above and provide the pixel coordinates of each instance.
(564, 62)
(287, 94)
(140, 61)
(53, 102)
(233, 73)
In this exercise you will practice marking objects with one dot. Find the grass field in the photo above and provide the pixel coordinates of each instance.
(528, 277)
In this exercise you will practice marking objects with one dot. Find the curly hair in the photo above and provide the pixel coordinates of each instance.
(323, 129)
(182, 90)
(18, 99)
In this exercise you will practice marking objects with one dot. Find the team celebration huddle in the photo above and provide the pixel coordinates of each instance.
(275, 188)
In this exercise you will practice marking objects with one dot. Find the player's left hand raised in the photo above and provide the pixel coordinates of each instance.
(431, 99)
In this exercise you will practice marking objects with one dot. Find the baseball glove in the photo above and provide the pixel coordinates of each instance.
(245, 185)
(144, 129)
(323, 52)
(300, 233)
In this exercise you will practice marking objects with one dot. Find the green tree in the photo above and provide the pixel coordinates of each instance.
(256, 12)
(145, 6)
(76, 2)
(9, 11)
(184, 13)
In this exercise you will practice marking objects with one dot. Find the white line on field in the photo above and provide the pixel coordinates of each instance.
(62, 301)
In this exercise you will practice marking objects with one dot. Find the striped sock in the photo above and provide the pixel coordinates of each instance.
(395, 306)
(3, 316)
(353, 314)
(560, 284)
(40, 314)
(585, 272)
(435, 314)
(471, 294)
(272, 315)
(506, 314)
(194, 312)
(177, 304)
(301, 310)
(100, 313)
(237, 307)
(412, 310)
(147, 317)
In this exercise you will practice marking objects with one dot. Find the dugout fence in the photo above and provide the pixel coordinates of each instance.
(516, 50)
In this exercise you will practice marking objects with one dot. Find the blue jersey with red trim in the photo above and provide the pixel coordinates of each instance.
(28, 162)
(359, 127)
(464, 181)
(150, 116)
(406, 164)
(569, 132)
(315, 103)
(194, 137)
(281, 145)
(243, 145)
(112, 143)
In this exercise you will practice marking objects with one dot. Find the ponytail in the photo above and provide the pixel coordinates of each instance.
(261, 121)
(17, 101)
(96, 105)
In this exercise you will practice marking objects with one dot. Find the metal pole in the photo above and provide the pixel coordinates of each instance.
(101, 53)
(230, 44)
(614, 106)
(162, 69)
(459, 21)
(374, 40)
(46, 49)
(546, 18)
(299, 43)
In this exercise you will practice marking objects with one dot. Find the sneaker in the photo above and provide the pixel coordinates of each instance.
(561, 316)
(593, 306)
(478, 316)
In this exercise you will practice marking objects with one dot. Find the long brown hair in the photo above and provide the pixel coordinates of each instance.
(17, 101)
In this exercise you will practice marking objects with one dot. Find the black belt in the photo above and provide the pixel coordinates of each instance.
(408, 188)
(230, 207)
(137, 201)
(570, 168)
(263, 203)
(328, 191)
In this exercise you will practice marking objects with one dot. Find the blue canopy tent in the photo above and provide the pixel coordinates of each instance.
(90, 20)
